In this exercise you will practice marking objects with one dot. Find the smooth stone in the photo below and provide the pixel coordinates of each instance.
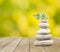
(44, 37)
(44, 43)
(43, 31)
(44, 25)
(44, 21)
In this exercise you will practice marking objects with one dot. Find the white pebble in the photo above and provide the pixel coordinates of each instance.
(44, 37)
(43, 31)
(44, 25)
(44, 42)
(44, 21)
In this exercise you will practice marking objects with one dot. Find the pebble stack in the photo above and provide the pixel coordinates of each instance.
(43, 35)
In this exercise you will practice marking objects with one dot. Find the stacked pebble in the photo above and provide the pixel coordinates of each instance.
(44, 37)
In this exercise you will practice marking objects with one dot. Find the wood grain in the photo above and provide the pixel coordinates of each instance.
(3, 39)
(34, 48)
(26, 45)
(23, 46)
(11, 46)
(5, 43)
(54, 47)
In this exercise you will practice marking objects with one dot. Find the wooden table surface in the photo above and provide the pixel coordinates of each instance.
(26, 45)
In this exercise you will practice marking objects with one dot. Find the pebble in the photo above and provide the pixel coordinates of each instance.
(44, 25)
(44, 37)
(44, 21)
(43, 31)
(44, 42)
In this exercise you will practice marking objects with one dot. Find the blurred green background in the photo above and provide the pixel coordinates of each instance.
(16, 17)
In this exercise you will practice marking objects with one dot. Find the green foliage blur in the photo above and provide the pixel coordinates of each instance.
(16, 17)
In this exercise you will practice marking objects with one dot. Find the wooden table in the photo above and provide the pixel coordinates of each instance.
(26, 45)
